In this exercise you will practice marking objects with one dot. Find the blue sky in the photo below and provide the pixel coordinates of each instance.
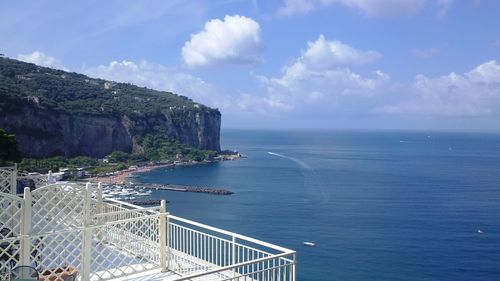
(371, 64)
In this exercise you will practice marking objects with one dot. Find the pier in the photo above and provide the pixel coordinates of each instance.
(186, 188)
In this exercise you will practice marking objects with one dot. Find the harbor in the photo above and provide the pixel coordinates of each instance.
(187, 188)
(140, 194)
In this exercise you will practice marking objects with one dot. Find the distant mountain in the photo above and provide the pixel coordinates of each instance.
(54, 112)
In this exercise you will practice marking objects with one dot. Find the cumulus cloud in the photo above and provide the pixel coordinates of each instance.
(370, 8)
(322, 77)
(39, 58)
(474, 93)
(488, 72)
(324, 54)
(155, 76)
(160, 77)
(236, 39)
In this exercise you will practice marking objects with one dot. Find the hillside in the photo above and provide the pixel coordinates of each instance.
(54, 112)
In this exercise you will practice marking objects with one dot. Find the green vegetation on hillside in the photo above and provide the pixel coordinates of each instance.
(8, 148)
(79, 94)
(156, 150)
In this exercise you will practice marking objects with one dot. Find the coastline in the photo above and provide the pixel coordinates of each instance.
(123, 177)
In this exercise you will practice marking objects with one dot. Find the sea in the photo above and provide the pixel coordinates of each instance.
(379, 205)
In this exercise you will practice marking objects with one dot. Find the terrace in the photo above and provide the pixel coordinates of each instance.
(65, 228)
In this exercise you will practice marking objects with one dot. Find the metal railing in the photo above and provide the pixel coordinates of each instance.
(72, 227)
(8, 179)
(198, 251)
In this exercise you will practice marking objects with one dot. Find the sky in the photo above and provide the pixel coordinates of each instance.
(343, 64)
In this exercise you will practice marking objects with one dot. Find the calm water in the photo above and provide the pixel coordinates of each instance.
(379, 205)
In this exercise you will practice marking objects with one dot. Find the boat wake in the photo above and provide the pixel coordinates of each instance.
(310, 178)
(300, 163)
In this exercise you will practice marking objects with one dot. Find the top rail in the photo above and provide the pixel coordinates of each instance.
(230, 267)
(232, 234)
(123, 203)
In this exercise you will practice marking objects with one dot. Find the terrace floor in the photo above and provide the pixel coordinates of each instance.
(151, 275)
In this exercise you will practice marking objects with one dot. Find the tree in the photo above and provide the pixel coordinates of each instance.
(118, 156)
(8, 148)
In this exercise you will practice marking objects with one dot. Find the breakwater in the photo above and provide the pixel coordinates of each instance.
(186, 188)
(145, 202)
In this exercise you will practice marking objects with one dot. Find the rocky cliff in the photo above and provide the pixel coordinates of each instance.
(53, 112)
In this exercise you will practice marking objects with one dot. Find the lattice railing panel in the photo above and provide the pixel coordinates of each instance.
(57, 207)
(6, 178)
(57, 255)
(39, 180)
(114, 212)
(125, 247)
(9, 256)
(10, 215)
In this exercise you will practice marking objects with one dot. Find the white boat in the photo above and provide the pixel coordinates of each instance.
(309, 244)
(147, 193)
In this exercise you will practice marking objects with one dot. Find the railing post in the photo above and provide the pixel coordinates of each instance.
(99, 198)
(13, 180)
(294, 265)
(25, 247)
(233, 254)
(168, 250)
(163, 236)
(86, 252)
(99, 206)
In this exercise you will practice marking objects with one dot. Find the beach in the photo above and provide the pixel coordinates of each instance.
(123, 177)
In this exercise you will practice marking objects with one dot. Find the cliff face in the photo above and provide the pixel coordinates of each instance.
(42, 132)
(193, 128)
(53, 112)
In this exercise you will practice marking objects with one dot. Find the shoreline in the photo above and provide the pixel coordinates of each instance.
(123, 177)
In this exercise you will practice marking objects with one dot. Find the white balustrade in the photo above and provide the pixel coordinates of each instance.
(70, 229)
(202, 252)
(8, 179)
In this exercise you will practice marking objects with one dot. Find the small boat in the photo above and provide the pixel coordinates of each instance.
(479, 231)
(309, 244)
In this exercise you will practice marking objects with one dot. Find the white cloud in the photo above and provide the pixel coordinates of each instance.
(41, 59)
(236, 39)
(321, 78)
(475, 93)
(370, 8)
(323, 54)
(488, 72)
(155, 76)
(425, 53)
(160, 77)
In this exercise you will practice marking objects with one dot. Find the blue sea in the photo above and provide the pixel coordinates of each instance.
(378, 205)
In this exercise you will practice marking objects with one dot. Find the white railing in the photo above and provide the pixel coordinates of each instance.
(39, 180)
(69, 228)
(198, 251)
(61, 229)
(8, 179)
